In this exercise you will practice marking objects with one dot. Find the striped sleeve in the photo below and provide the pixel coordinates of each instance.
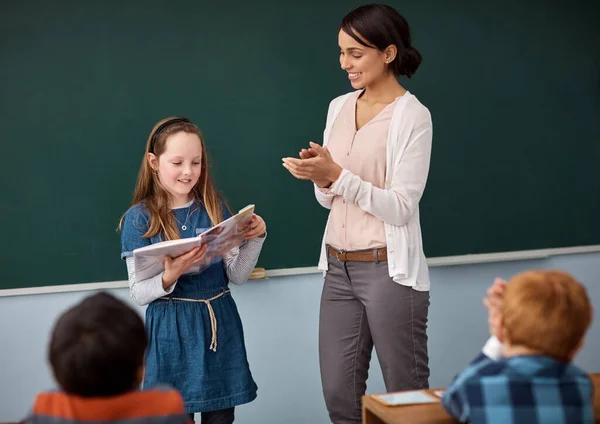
(145, 291)
(240, 262)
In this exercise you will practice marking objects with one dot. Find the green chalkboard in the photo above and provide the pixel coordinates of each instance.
(514, 92)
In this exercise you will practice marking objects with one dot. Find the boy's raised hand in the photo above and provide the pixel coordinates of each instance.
(493, 302)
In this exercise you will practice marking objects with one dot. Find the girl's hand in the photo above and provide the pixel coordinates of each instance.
(316, 164)
(174, 267)
(257, 228)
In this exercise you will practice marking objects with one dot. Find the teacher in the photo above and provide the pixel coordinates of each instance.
(371, 172)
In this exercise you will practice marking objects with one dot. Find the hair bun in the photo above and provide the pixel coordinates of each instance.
(410, 61)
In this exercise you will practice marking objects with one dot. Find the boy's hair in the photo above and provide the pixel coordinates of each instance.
(547, 311)
(97, 347)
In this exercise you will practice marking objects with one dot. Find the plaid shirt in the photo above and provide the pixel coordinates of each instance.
(520, 390)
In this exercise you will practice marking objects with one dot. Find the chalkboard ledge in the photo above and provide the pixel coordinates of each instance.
(522, 255)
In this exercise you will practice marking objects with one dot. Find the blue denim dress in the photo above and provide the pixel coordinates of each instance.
(180, 332)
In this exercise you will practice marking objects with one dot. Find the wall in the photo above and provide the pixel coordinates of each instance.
(280, 317)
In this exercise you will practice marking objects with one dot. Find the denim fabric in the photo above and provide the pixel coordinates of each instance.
(180, 332)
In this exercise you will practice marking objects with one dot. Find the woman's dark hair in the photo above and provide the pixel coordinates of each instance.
(381, 25)
(97, 347)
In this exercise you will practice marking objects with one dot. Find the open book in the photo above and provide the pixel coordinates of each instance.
(413, 397)
(150, 260)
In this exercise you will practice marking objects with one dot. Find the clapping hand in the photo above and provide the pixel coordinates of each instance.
(315, 164)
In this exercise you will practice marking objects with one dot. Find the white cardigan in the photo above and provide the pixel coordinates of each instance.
(408, 153)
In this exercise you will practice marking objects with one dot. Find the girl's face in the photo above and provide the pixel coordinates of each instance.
(363, 64)
(179, 166)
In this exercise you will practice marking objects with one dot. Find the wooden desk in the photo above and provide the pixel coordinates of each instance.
(374, 412)
(596, 380)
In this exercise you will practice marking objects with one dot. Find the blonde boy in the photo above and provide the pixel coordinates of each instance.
(524, 374)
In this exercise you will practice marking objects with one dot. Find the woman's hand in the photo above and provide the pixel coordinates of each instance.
(257, 228)
(308, 153)
(316, 164)
(312, 153)
(174, 267)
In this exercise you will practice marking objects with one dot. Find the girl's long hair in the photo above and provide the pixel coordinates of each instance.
(151, 193)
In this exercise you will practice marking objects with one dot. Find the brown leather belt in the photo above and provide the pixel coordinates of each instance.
(374, 255)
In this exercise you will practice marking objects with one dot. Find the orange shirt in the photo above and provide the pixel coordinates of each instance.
(158, 405)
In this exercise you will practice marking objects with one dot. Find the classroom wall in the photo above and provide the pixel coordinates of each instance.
(280, 317)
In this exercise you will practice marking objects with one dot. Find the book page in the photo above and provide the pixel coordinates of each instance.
(227, 235)
(406, 398)
(149, 260)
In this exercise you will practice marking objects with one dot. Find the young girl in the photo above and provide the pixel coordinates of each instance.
(196, 341)
(371, 172)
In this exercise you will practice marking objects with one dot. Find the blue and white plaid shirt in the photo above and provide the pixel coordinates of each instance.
(520, 390)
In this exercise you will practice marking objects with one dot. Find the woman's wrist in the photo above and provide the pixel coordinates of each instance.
(323, 184)
(335, 173)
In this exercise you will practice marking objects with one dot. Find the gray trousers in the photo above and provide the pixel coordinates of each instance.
(362, 306)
